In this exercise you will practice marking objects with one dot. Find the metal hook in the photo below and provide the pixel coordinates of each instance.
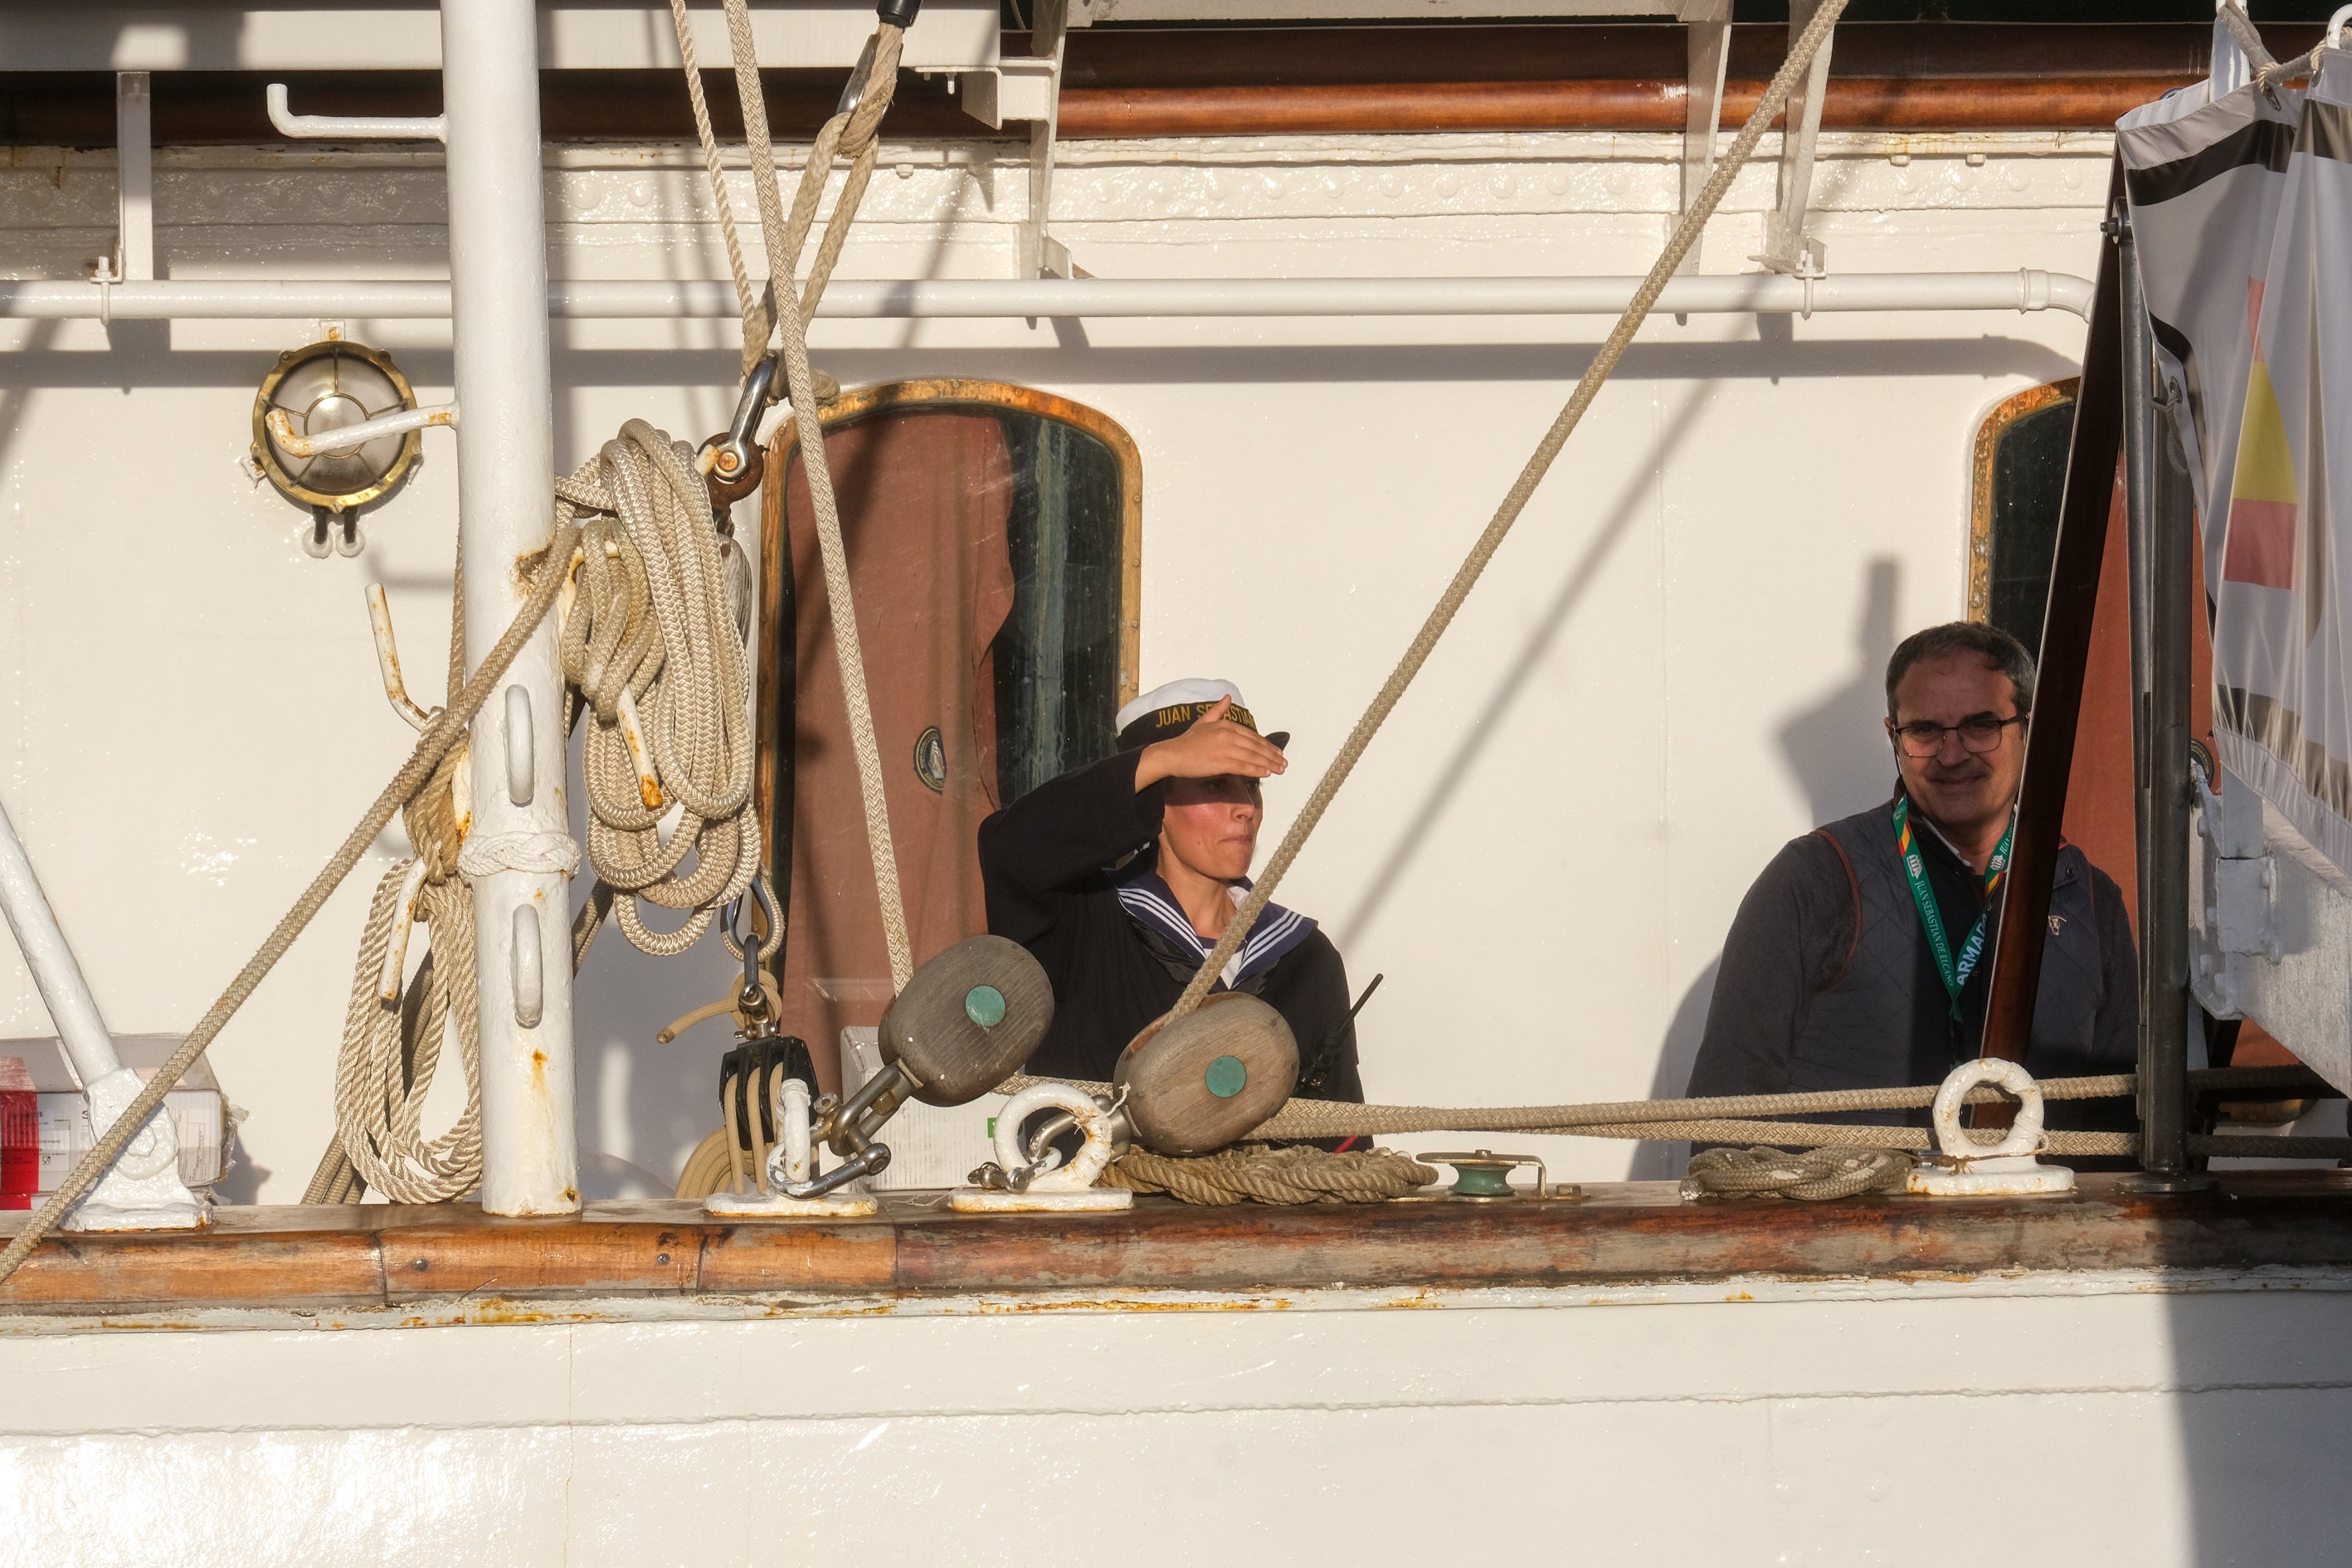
(387, 661)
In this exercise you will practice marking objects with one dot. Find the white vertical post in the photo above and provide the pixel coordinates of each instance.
(134, 179)
(497, 273)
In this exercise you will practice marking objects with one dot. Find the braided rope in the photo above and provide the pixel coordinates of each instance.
(1816, 1176)
(1660, 1118)
(1465, 577)
(1252, 1173)
(852, 133)
(379, 1096)
(651, 643)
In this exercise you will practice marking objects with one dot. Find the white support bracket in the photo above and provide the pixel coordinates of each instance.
(2271, 929)
(142, 1189)
(350, 127)
(1787, 249)
(134, 181)
(1707, 44)
(1043, 256)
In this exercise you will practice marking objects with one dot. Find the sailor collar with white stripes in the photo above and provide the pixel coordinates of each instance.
(1150, 904)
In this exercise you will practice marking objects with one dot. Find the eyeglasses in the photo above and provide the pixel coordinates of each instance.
(1978, 733)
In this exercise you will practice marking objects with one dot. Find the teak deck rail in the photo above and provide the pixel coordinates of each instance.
(385, 1256)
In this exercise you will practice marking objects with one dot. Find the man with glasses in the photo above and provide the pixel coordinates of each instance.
(1857, 958)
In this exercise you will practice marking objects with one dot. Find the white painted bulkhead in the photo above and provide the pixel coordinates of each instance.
(1671, 670)
(2092, 1419)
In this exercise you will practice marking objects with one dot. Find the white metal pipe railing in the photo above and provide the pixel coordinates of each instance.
(2026, 289)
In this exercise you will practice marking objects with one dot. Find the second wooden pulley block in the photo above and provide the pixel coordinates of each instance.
(1207, 1079)
(968, 1019)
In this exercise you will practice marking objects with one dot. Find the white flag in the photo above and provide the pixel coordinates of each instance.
(2242, 211)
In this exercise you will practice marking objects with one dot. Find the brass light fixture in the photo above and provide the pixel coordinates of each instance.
(326, 387)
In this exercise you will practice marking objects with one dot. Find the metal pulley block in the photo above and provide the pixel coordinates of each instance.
(1484, 1176)
(965, 1024)
(1197, 1083)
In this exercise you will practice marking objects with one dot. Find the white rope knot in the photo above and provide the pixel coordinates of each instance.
(550, 854)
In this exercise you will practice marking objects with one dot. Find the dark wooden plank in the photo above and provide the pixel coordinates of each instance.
(850, 1256)
(1452, 1245)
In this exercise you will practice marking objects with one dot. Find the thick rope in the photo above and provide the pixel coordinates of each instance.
(854, 134)
(382, 1079)
(651, 644)
(747, 300)
(432, 746)
(1254, 1172)
(1685, 235)
(1815, 1176)
(1306, 1119)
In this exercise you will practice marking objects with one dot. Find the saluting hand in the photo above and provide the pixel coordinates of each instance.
(1212, 748)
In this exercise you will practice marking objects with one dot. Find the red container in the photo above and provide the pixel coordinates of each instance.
(20, 1135)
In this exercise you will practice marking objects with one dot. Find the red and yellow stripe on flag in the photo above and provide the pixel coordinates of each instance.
(2264, 497)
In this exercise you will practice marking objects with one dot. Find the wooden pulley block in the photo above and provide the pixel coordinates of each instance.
(1199, 1083)
(968, 1019)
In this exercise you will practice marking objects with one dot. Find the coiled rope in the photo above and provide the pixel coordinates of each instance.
(1465, 577)
(1816, 1176)
(651, 644)
(1253, 1172)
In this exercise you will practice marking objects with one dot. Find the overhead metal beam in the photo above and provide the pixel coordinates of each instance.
(406, 35)
(2027, 291)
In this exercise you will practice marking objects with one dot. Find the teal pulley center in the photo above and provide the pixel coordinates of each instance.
(1226, 1077)
(985, 1005)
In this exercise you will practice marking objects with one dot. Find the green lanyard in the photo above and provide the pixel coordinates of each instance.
(1956, 976)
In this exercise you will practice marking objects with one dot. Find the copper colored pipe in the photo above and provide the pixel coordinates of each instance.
(1854, 104)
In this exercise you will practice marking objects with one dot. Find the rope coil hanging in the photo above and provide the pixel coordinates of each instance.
(651, 646)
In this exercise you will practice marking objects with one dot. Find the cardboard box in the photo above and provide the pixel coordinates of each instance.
(199, 1112)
